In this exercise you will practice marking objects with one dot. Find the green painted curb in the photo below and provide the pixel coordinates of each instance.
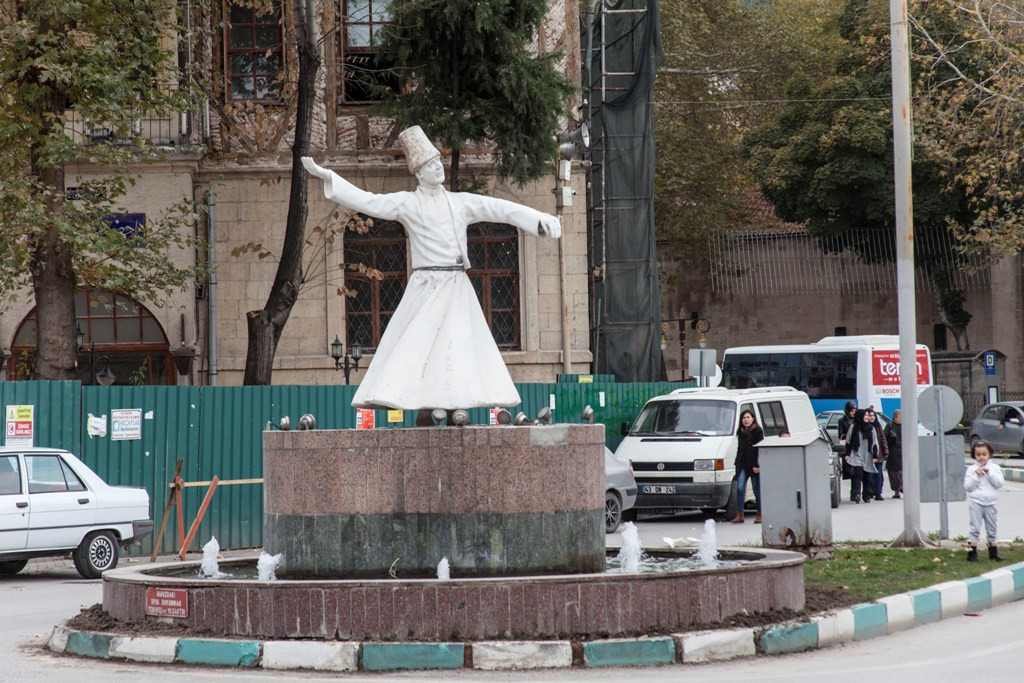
(88, 644)
(789, 638)
(218, 652)
(629, 652)
(392, 656)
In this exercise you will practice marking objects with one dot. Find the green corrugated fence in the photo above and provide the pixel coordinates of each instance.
(218, 431)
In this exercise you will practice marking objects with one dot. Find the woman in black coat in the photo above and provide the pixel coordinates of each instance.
(747, 466)
(894, 463)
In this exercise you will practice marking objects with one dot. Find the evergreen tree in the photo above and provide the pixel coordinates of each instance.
(473, 78)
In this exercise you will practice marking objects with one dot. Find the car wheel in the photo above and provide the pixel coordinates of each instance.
(97, 553)
(835, 495)
(612, 512)
(12, 567)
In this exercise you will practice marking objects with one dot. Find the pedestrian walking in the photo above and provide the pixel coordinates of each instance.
(748, 436)
(883, 451)
(983, 479)
(894, 463)
(861, 451)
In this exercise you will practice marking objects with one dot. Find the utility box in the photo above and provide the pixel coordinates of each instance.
(796, 507)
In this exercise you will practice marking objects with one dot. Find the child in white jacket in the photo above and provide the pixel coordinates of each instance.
(983, 480)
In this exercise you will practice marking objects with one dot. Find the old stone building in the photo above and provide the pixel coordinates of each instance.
(233, 155)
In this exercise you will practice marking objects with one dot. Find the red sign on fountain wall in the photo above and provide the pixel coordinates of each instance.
(167, 602)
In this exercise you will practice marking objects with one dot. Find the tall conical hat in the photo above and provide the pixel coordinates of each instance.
(417, 147)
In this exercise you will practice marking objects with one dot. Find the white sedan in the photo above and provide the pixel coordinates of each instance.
(52, 504)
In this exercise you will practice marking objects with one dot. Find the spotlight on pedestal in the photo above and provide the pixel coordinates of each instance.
(439, 416)
(504, 417)
(460, 418)
(307, 422)
(521, 419)
(544, 416)
(285, 424)
(588, 415)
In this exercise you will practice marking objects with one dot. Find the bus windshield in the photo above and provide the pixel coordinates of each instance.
(690, 418)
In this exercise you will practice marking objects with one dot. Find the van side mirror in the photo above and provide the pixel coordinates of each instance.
(625, 429)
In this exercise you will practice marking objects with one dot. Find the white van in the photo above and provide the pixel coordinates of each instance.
(683, 444)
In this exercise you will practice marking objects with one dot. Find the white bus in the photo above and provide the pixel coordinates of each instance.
(865, 369)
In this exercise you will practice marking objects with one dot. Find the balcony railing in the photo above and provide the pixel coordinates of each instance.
(169, 129)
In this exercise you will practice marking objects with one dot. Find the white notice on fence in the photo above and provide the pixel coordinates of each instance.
(96, 426)
(126, 425)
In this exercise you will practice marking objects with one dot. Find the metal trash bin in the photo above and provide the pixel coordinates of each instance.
(796, 506)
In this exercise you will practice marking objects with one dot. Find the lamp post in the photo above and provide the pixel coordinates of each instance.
(346, 360)
(695, 322)
(105, 376)
(567, 147)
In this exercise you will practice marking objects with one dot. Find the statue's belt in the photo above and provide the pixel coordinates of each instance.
(439, 268)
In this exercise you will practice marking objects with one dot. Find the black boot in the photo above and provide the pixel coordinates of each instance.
(993, 553)
(972, 554)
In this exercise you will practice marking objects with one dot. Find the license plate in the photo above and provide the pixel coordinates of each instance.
(657, 489)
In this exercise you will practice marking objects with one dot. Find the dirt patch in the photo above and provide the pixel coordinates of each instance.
(95, 619)
(820, 597)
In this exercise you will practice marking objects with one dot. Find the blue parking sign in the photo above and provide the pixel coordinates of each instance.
(990, 362)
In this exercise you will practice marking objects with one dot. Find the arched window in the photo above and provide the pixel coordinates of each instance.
(124, 332)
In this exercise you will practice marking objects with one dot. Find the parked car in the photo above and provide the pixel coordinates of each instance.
(683, 444)
(52, 504)
(620, 490)
(835, 468)
(1002, 425)
(829, 421)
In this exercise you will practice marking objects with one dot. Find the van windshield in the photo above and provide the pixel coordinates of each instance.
(695, 418)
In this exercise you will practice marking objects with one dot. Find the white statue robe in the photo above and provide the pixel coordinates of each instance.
(437, 350)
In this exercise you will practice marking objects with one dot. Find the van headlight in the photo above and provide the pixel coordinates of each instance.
(708, 465)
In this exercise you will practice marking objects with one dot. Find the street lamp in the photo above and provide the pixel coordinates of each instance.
(695, 322)
(105, 376)
(346, 360)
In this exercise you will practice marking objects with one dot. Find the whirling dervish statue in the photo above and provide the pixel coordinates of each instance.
(437, 350)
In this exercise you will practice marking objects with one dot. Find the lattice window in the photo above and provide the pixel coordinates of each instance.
(362, 71)
(494, 253)
(383, 248)
(254, 54)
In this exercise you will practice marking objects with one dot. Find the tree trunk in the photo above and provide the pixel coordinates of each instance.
(53, 271)
(454, 180)
(265, 326)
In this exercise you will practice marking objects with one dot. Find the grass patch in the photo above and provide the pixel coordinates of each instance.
(865, 575)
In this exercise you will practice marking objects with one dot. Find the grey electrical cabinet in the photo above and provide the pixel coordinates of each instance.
(795, 494)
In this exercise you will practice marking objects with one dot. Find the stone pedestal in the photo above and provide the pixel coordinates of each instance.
(497, 500)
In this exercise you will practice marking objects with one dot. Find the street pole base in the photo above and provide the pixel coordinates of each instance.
(911, 538)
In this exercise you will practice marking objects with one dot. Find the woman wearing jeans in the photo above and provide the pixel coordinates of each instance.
(747, 467)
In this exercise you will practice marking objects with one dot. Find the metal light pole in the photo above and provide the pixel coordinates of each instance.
(346, 360)
(902, 157)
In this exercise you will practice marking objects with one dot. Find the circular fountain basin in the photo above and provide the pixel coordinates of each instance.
(508, 607)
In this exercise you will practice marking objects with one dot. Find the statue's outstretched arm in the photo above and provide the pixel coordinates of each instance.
(340, 191)
(493, 210)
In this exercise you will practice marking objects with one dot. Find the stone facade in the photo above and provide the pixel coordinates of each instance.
(239, 152)
(795, 308)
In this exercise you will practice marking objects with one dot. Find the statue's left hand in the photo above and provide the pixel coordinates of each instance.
(550, 226)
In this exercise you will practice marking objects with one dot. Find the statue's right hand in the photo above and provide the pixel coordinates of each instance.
(313, 169)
